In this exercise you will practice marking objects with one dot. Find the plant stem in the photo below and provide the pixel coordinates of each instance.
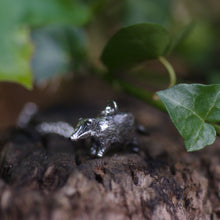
(169, 69)
(135, 91)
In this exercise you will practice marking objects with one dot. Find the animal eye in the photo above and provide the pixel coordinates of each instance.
(88, 122)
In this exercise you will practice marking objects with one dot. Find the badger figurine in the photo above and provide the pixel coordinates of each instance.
(108, 128)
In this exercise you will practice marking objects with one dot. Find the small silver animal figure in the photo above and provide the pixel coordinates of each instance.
(110, 127)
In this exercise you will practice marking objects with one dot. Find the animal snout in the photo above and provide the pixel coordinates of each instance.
(74, 137)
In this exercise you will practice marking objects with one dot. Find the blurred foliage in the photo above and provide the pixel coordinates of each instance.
(15, 52)
(197, 49)
(58, 50)
(142, 11)
(18, 19)
(45, 38)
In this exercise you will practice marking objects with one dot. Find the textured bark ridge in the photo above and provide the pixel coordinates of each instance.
(46, 178)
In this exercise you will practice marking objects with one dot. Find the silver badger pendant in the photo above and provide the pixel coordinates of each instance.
(110, 127)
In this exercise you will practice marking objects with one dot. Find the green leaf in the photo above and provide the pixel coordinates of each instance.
(134, 44)
(15, 52)
(193, 108)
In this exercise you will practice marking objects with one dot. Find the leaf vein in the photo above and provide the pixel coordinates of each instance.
(194, 113)
(179, 104)
(214, 103)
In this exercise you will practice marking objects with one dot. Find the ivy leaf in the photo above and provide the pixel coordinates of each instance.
(15, 50)
(193, 108)
(134, 44)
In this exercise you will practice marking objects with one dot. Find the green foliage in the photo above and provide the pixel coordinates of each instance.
(17, 19)
(43, 12)
(58, 50)
(198, 45)
(134, 44)
(15, 52)
(38, 13)
(180, 36)
(194, 110)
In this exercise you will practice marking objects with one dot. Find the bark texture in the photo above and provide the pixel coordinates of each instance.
(51, 178)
